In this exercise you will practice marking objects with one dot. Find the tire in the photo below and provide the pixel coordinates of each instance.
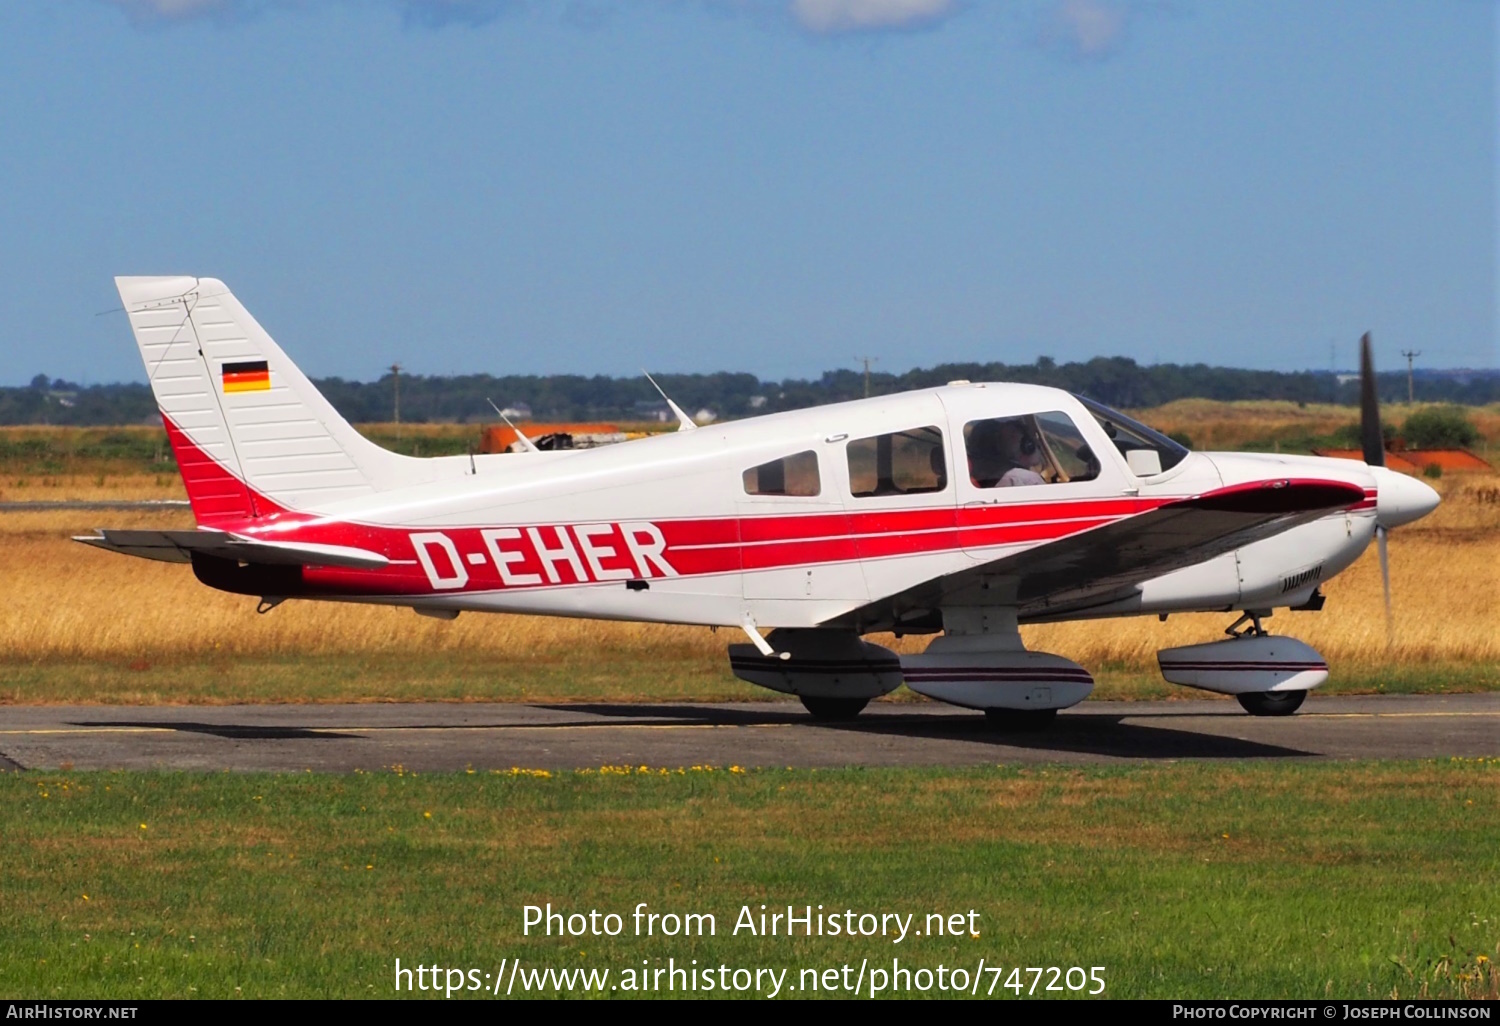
(1019, 720)
(833, 709)
(1271, 703)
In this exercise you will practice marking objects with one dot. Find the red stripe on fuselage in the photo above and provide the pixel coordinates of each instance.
(548, 555)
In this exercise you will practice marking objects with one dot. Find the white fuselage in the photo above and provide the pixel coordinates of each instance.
(663, 529)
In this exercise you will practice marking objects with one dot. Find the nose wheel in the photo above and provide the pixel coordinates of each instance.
(1271, 703)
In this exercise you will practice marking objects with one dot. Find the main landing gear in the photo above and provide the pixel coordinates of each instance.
(833, 710)
(1019, 721)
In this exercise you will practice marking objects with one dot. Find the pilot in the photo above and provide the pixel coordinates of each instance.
(1002, 454)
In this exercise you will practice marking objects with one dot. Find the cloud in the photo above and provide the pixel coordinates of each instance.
(429, 13)
(1092, 29)
(830, 17)
(436, 13)
(820, 17)
(172, 10)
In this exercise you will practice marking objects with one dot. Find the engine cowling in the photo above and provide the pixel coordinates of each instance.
(823, 664)
(1245, 664)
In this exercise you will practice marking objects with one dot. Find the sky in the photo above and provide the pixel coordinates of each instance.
(773, 186)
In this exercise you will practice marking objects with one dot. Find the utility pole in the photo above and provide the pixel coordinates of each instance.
(396, 391)
(1333, 369)
(867, 360)
(1410, 354)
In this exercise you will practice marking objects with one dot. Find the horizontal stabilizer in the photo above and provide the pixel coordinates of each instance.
(178, 547)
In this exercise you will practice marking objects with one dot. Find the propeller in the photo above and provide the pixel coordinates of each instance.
(1373, 442)
(1369, 407)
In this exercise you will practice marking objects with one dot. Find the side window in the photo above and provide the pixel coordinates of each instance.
(1039, 448)
(900, 463)
(790, 475)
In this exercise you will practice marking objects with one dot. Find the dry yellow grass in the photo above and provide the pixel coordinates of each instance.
(67, 603)
(1218, 426)
(96, 487)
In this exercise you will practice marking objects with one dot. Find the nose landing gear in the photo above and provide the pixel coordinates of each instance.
(1268, 676)
(1271, 703)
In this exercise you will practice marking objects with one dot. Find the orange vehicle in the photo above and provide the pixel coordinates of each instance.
(503, 438)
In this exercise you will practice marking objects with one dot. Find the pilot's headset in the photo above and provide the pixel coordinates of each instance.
(1026, 441)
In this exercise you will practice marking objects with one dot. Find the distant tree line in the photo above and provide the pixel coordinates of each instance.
(1118, 381)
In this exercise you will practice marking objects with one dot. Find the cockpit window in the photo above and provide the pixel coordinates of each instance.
(1039, 448)
(899, 463)
(1128, 434)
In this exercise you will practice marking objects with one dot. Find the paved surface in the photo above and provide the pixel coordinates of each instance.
(84, 504)
(341, 738)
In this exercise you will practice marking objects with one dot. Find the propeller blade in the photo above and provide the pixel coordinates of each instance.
(1385, 580)
(1369, 408)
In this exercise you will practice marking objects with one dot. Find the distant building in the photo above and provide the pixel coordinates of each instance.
(651, 410)
(517, 411)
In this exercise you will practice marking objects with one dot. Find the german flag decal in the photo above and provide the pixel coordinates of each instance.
(251, 376)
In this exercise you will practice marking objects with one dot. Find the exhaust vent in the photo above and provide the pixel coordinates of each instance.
(1301, 579)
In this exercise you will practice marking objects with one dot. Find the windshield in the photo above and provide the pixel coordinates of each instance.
(1130, 434)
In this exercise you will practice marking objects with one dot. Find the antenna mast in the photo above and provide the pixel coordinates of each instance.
(1410, 354)
(396, 389)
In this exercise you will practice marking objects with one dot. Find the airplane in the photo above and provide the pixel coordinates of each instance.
(963, 512)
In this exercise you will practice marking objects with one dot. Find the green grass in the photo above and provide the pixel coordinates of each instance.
(1193, 880)
(581, 678)
(119, 450)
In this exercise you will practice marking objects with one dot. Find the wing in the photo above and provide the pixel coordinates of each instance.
(1106, 563)
(178, 547)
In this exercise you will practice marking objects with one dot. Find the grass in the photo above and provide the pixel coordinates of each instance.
(39, 463)
(1268, 425)
(1331, 879)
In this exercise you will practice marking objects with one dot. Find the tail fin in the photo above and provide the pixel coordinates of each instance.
(251, 434)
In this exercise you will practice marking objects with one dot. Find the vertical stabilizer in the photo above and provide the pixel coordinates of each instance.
(250, 432)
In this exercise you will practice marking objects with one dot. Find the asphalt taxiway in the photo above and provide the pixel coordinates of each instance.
(454, 736)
